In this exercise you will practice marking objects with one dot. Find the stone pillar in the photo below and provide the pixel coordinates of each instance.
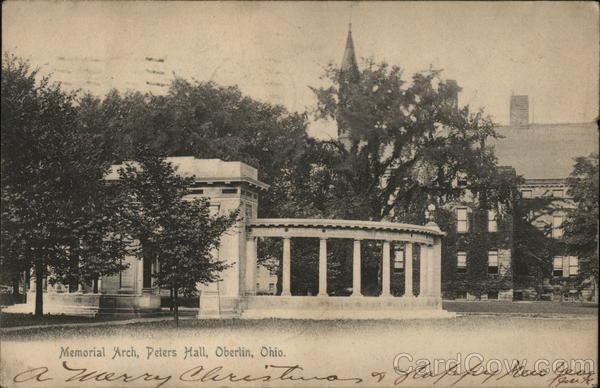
(356, 277)
(430, 271)
(322, 267)
(437, 259)
(285, 290)
(139, 276)
(385, 281)
(408, 270)
(423, 270)
(251, 266)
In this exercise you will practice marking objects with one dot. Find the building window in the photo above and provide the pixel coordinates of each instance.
(271, 287)
(557, 266)
(493, 262)
(461, 179)
(492, 221)
(398, 261)
(229, 191)
(248, 211)
(461, 262)
(493, 295)
(526, 193)
(557, 193)
(257, 286)
(557, 231)
(462, 225)
(573, 265)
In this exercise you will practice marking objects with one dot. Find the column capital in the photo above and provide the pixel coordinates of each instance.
(323, 238)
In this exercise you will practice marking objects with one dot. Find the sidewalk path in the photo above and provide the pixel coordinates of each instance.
(93, 324)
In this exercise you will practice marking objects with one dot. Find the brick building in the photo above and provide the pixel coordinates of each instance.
(543, 154)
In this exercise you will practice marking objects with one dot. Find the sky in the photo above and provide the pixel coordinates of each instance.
(275, 50)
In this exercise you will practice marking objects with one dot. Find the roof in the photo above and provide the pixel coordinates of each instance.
(544, 182)
(318, 223)
(206, 170)
(545, 151)
(349, 58)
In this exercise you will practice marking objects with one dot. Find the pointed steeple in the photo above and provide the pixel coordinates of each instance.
(349, 59)
(349, 75)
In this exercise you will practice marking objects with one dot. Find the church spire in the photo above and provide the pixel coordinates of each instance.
(349, 59)
(348, 76)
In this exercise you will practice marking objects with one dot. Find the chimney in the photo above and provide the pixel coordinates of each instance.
(519, 111)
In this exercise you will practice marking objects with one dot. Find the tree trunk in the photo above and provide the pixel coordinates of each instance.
(16, 281)
(39, 289)
(176, 307)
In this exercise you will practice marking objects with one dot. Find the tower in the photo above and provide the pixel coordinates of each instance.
(349, 65)
(349, 75)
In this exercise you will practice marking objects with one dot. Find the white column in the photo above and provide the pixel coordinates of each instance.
(285, 290)
(385, 282)
(437, 259)
(408, 270)
(424, 260)
(139, 276)
(322, 267)
(356, 270)
(251, 266)
(430, 271)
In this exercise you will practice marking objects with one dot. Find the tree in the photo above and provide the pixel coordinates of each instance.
(407, 142)
(533, 244)
(581, 227)
(406, 145)
(198, 119)
(177, 231)
(55, 210)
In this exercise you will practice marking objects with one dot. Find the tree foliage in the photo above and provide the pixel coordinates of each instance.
(55, 209)
(199, 119)
(176, 231)
(581, 227)
(409, 141)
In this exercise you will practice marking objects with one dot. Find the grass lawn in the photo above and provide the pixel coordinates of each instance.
(23, 319)
(209, 327)
(503, 307)
(479, 307)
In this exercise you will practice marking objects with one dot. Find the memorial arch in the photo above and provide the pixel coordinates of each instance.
(235, 185)
(426, 303)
